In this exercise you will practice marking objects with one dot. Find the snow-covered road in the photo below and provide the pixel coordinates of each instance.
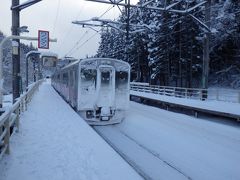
(166, 145)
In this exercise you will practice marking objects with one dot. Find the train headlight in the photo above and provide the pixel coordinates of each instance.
(89, 114)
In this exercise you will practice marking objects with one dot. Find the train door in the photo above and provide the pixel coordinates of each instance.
(74, 87)
(71, 87)
(106, 89)
(61, 84)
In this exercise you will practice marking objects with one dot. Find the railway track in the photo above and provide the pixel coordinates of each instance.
(146, 171)
(159, 144)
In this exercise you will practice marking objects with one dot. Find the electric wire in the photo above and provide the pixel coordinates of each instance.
(111, 6)
(85, 42)
(80, 39)
(72, 25)
(57, 14)
(76, 44)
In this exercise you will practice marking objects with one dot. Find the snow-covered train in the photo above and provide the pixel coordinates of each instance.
(97, 88)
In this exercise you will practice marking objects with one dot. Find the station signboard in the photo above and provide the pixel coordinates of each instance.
(43, 39)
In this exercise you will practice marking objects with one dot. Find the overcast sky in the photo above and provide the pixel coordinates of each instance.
(46, 15)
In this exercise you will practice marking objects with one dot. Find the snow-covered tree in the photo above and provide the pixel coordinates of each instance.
(170, 50)
(7, 64)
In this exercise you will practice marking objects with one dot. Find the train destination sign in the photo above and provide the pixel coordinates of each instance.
(43, 39)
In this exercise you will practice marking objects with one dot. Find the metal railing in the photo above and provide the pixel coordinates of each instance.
(9, 120)
(219, 94)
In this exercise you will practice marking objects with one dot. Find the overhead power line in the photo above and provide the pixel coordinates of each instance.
(71, 27)
(85, 42)
(56, 18)
(80, 39)
(75, 46)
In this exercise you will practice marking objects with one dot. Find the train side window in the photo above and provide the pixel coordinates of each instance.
(65, 78)
(71, 78)
(121, 79)
(61, 81)
(76, 75)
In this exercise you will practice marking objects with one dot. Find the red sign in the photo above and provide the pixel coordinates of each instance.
(43, 39)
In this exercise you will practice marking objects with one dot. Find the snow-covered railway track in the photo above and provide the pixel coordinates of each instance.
(160, 144)
(124, 156)
(139, 164)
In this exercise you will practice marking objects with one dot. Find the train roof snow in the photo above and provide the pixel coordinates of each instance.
(92, 59)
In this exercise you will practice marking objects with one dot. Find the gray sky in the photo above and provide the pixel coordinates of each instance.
(46, 16)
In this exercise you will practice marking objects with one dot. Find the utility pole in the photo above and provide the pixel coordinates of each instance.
(127, 9)
(15, 55)
(206, 50)
(34, 70)
(16, 8)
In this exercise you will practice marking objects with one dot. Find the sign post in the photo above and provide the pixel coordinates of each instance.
(43, 39)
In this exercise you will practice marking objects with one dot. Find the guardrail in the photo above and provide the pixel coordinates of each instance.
(191, 93)
(10, 118)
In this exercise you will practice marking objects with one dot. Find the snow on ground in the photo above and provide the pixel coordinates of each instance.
(168, 145)
(55, 143)
(221, 106)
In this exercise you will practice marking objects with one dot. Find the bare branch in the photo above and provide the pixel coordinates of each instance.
(172, 5)
(201, 23)
(196, 6)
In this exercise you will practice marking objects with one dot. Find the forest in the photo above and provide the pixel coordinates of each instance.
(169, 52)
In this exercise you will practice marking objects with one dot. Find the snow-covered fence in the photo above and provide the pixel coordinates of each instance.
(222, 94)
(218, 94)
(10, 118)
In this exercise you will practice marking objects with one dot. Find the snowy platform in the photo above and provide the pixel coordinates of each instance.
(226, 109)
(55, 143)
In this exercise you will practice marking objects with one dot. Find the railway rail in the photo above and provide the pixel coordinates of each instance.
(159, 144)
(155, 158)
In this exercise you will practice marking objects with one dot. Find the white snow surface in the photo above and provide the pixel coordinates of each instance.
(168, 145)
(214, 105)
(55, 143)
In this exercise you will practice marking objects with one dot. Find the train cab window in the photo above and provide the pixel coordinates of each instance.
(121, 80)
(88, 79)
(105, 77)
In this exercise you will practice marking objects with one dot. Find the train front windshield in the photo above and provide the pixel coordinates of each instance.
(88, 80)
(122, 80)
(106, 79)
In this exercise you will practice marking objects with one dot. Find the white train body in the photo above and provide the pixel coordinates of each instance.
(97, 88)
